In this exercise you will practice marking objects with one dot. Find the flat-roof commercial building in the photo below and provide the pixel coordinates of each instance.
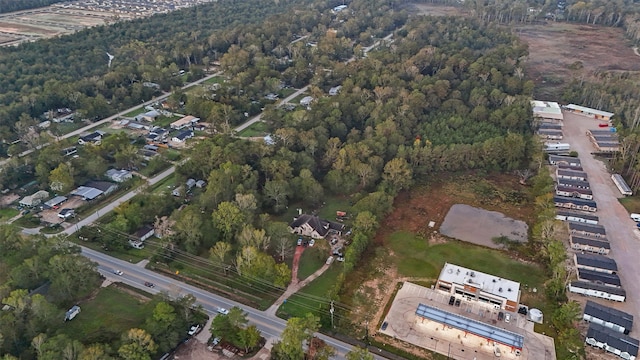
(475, 285)
(611, 318)
(546, 110)
(598, 114)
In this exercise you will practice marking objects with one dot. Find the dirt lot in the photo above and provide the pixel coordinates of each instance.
(462, 222)
(435, 10)
(51, 216)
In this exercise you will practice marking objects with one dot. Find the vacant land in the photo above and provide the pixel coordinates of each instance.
(436, 10)
(312, 297)
(257, 129)
(462, 222)
(107, 315)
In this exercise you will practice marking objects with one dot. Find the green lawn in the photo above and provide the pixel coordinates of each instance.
(414, 257)
(8, 213)
(311, 298)
(165, 186)
(283, 93)
(631, 203)
(28, 221)
(296, 100)
(257, 129)
(333, 204)
(107, 316)
(164, 121)
(214, 80)
(311, 260)
(135, 112)
(65, 128)
(129, 254)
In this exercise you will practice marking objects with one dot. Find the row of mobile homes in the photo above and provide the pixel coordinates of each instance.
(622, 186)
(571, 175)
(595, 262)
(580, 243)
(574, 192)
(578, 184)
(575, 216)
(575, 203)
(600, 278)
(611, 318)
(611, 341)
(598, 291)
(569, 160)
(581, 229)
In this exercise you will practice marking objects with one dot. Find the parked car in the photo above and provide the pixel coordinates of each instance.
(507, 318)
(194, 330)
(340, 259)
(299, 241)
(603, 125)
(216, 341)
(148, 284)
(223, 311)
(452, 299)
(458, 302)
(334, 241)
(500, 315)
(384, 325)
(118, 272)
(312, 242)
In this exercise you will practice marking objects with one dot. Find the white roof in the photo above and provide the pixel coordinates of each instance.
(185, 121)
(86, 192)
(490, 284)
(546, 109)
(306, 100)
(589, 110)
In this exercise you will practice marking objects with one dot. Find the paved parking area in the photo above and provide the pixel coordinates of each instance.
(613, 216)
(403, 324)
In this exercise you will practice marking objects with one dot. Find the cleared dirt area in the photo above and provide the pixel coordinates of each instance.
(435, 10)
(462, 223)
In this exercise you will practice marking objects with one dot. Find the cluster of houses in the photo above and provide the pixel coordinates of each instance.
(179, 131)
(188, 186)
(548, 119)
(597, 274)
(605, 141)
(572, 185)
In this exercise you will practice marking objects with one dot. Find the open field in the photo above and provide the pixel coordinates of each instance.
(435, 10)
(257, 129)
(631, 203)
(312, 259)
(312, 297)
(98, 321)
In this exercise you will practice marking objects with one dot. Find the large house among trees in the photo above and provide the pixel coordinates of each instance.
(314, 227)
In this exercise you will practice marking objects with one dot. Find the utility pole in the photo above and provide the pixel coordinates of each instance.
(332, 310)
(366, 332)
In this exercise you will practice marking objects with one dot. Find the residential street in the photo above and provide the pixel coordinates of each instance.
(613, 216)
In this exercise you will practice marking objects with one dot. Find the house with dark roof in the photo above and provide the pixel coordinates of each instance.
(144, 233)
(563, 166)
(93, 138)
(314, 227)
(575, 203)
(596, 231)
(576, 216)
(611, 318)
(622, 345)
(599, 278)
(595, 262)
(591, 245)
(55, 202)
(183, 136)
(599, 291)
(569, 160)
(574, 183)
(571, 175)
(104, 186)
(586, 194)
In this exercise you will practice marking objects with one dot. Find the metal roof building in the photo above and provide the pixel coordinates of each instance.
(611, 318)
(597, 290)
(595, 263)
(622, 345)
(599, 277)
(471, 326)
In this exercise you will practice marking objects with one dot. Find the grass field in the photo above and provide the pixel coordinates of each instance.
(8, 213)
(257, 129)
(415, 258)
(631, 203)
(283, 93)
(129, 254)
(107, 316)
(311, 298)
(65, 128)
(135, 112)
(311, 260)
(214, 80)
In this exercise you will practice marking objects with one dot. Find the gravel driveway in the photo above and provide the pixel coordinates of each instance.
(614, 217)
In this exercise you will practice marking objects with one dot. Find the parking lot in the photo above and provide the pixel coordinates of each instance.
(403, 324)
(613, 216)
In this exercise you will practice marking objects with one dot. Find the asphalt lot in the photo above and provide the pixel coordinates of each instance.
(404, 325)
(613, 216)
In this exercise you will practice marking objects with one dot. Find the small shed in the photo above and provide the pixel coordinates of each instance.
(144, 233)
(55, 202)
(72, 313)
(201, 183)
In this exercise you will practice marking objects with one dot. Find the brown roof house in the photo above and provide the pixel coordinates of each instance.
(314, 227)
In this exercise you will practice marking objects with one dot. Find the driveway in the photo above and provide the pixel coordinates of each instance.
(613, 216)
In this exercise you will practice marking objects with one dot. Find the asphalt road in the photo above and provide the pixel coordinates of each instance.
(621, 230)
(136, 275)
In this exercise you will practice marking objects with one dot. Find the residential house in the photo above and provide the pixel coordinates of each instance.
(595, 262)
(622, 345)
(314, 227)
(611, 318)
(594, 113)
(201, 183)
(149, 116)
(550, 134)
(599, 278)
(599, 291)
(574, 192)
(306, 101)
(183, 136)
(119, 176)
(93, 138)
(66, 213)
(590, 245)
(179, 191)
(571, 175)
(104, 186)
(569, 160)
(596, 231)
(564, 166)
(144, 233)
(575, 203)
(55, 202)
(34, 199)
(579, 184)
(335, 90)
(568, 215)
(190, 183)
(185, 122)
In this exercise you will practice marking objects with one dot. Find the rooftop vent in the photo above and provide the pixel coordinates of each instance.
(500, 290)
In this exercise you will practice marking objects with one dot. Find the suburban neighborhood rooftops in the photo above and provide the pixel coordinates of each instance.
(567, 159)
(613, 339)
(185, 134)
(494, 285)
(185, 121)
(475, 327)
(103, 186)
(599, 277)
(87, 193)
(596, 261)
(601, 243)
(581, 227)
(589, 110)
(577, 214)
(322, 227)
(597, 287)
(608, 314)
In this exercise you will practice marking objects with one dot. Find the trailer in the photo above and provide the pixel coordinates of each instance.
(621, 185)
(556, 147)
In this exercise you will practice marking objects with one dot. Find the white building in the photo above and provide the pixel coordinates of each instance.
(119, 175)
(475, 285)
(546, 110)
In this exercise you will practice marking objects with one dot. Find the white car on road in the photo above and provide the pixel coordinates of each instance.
(118, 272)
(223, 311)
